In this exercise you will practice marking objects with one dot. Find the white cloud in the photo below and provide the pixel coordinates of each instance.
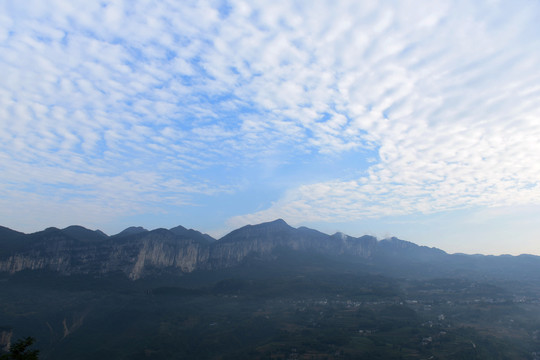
(451, 133)
(445, 92)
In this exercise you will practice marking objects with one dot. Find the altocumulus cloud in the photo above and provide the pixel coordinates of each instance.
(140, 104)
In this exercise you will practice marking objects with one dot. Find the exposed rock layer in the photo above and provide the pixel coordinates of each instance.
(140, 253)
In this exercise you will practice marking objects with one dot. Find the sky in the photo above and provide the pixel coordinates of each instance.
(414, 119)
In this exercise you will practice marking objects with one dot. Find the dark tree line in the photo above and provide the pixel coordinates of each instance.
(20, 350)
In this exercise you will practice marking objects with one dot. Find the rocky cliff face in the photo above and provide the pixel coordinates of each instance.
(134, 254)
(137, 252)
(159, 251)
(5, 339)
(263, 239)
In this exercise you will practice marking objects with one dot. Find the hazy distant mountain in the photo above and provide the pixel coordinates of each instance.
(138, 252)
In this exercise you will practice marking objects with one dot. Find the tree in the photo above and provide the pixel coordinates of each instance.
(20, 350)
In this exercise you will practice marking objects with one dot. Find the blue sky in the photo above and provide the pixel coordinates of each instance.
(415, 119)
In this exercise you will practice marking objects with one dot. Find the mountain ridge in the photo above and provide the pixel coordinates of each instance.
(138, 252)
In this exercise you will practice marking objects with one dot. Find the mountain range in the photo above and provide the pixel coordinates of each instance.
(265, 291)
(137, 253)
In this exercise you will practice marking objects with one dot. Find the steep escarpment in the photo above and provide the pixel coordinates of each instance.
(158, 251)
(48, 249)
(137, 252)
(263, 239)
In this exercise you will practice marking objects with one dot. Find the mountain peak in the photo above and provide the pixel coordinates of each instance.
(271, 226)
(132, 230)
(275, 224)
(340, 235)
(178, 229)
(191, 234)
(279, 222)
(263, 230)
(81, 233)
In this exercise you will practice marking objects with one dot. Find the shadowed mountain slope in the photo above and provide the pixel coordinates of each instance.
(137, 252)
